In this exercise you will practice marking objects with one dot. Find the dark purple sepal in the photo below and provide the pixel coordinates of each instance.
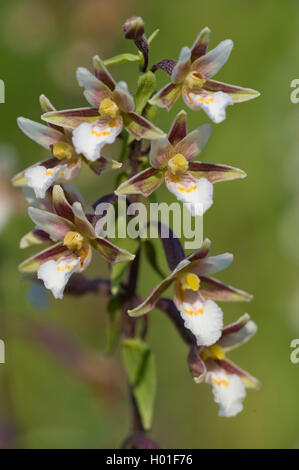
(167, 65)
(172, 246)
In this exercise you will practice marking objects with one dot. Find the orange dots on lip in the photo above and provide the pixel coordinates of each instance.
(220, 382)
(54, 172)
(199, 311)
(67, 268)
(190, 188)
(209, 100)
(100, 134)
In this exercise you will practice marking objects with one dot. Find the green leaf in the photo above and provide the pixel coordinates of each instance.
(122, 59)
(153, 35)
(146, 88)
(151, 255)
(141, 369)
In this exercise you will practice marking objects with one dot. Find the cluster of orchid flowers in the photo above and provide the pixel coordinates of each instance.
(67, 225)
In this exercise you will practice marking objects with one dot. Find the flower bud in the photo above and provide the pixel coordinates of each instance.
(133, 27)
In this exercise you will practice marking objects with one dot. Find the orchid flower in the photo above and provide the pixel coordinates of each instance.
(65, 163)
(194, 294)
(171, 161)
(71, 237)
(112, 109)
(191, 77)
(38, 236)
(209, 364)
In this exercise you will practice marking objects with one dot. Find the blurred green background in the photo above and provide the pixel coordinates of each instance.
(44, 402)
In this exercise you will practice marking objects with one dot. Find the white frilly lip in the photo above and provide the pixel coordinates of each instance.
(195, 194)
(89, 139)
(40, 178)
(229, 392)
(213, 104)
(55, 274)
(204, 318)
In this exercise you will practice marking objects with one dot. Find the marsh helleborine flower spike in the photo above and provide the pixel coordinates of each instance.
(209, 364)
(113, 109)
(171, 161)
(65, 163)
(194, 294)
(72, 237)
(191, 77)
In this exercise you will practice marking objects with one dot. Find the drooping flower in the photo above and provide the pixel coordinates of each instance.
(171, 161)
(133, 27)
(191, 77)
(65, 163)
(195, 294)
(209, 364)
(71, 237)
(112, 109)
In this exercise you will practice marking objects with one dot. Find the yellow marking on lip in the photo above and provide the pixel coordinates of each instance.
(190, 188)
(220, 382)
(67, 268)
(100, 134)
(199, 311)
(209, 100)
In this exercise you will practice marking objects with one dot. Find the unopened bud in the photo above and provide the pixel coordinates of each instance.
(133, 27)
